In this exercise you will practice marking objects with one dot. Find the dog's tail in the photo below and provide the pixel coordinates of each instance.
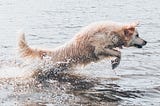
(26, 51)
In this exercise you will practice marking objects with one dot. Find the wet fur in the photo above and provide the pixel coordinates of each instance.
(93, 43)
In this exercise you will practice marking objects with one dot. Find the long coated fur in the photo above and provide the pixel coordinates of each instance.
(94, 42)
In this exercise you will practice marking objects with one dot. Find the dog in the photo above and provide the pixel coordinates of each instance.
(92, 43)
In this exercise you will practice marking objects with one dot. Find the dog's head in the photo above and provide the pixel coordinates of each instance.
(131, 36)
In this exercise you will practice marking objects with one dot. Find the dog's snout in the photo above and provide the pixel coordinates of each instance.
(145, 42)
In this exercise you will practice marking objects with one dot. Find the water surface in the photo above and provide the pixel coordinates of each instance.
(51, 23)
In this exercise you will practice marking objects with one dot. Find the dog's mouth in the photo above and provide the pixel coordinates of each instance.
(137, 46)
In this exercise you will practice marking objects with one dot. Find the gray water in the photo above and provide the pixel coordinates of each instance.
(50, 23)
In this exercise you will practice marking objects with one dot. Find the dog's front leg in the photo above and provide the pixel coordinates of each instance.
(106, 52)
(114, 53)
(117, 60)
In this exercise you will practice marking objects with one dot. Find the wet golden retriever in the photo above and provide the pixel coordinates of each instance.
(94, 42)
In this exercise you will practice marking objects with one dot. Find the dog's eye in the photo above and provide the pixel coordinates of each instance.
(137, 35)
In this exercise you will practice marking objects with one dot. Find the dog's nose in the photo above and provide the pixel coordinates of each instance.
(145, 42)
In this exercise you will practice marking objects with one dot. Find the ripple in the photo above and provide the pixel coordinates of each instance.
(73, 26)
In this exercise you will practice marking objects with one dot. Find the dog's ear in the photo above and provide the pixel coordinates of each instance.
(130, 28)
(129, 32)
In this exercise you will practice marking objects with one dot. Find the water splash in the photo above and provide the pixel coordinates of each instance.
(15, 68)
(11, 72)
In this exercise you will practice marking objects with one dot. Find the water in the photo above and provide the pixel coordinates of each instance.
(51, 23)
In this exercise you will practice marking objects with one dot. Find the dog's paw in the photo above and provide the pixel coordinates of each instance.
(115, 63)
